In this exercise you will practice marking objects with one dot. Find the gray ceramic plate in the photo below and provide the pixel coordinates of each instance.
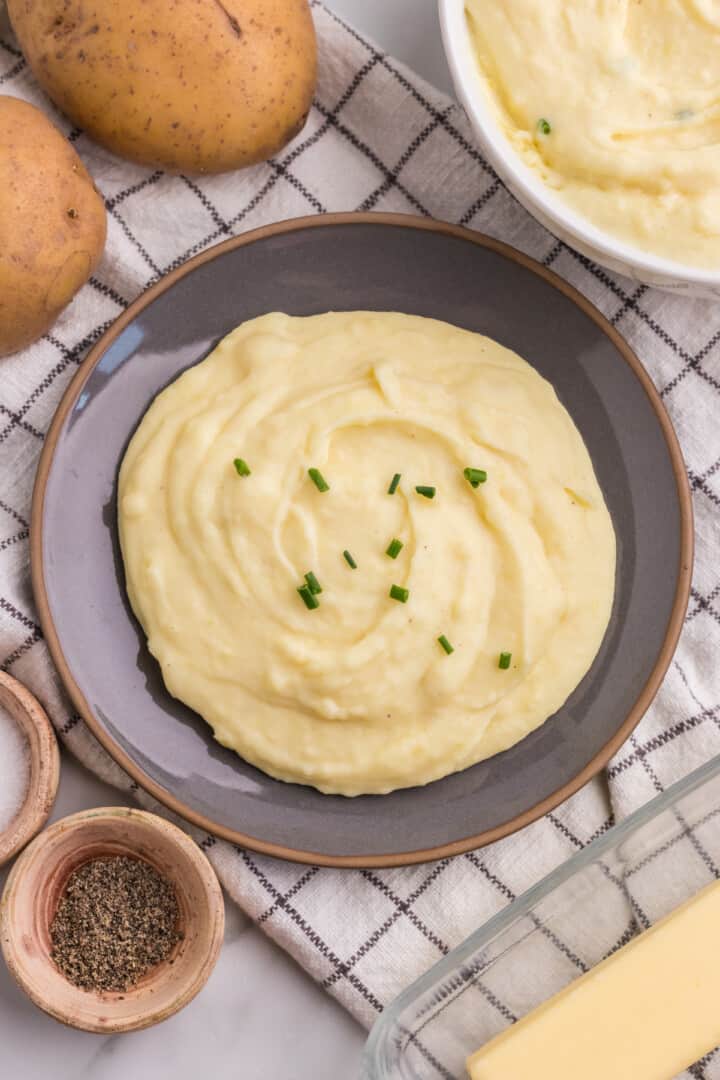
(378, 262)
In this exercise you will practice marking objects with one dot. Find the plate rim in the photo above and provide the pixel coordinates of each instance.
(455, 847)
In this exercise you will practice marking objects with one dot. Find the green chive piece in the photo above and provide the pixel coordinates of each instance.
(349, 560)
(475, 477)
(398, 593)
(394, 483)
(394, 548)
(312, 583)
(318, 480)
(544, 126)
(504, 661)
(428, 492)
(446, 644)
(241, 467)
(309, 599)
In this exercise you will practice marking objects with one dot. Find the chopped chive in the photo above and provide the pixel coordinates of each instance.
(312, 583)
(475, 477)
(398, 593)
(241, 467)
(349, 560)
(394, 483)
(446, 644)
(544, 126)
(504, 661)
(308, 597)
(394, 548)
(428, 492)
(318, 480)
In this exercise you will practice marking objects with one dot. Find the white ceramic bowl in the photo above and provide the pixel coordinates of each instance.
(535, 196)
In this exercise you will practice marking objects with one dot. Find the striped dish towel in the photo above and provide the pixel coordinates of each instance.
(378, 138)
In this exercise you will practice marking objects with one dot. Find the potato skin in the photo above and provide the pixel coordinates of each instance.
(200, 86)
(52, 224)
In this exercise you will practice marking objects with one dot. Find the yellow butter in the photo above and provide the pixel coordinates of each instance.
(646, 1013)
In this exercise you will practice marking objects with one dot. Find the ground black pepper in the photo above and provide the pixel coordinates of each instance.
(116, 919)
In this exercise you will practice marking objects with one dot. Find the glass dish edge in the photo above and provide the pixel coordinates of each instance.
(386, 1022)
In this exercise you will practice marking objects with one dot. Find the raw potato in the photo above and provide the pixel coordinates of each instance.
(185, 85)
(52, 224)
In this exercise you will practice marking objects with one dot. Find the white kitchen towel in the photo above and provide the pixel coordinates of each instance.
(378, 138)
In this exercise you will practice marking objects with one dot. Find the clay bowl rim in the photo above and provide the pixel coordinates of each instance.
(168, 836)
(31, 718)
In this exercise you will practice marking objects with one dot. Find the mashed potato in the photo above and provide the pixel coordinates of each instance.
(220, 522)
(615, 104)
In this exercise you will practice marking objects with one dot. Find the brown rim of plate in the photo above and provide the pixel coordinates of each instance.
(468, 843)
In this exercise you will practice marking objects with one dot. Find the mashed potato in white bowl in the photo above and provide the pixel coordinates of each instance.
(368, 548)
(604, 121)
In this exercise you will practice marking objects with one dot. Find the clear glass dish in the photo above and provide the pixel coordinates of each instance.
(590, 906)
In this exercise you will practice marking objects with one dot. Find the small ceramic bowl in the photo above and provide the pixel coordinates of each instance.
(537, 197)
(36, 883)
(33, 721)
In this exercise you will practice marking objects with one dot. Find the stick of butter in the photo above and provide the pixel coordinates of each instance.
(645, 1013)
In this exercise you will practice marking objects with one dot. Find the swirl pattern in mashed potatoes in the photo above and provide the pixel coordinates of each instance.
(358, 695)
(615, 104)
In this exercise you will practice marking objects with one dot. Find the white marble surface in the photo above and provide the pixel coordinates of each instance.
(409, 29)
(260, 1017)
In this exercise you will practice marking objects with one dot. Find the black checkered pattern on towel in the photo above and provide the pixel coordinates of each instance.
(378, 138)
